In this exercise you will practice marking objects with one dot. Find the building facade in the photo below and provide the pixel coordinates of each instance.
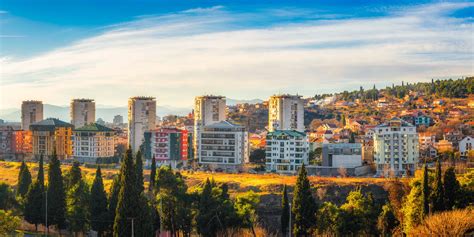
(118, 120)
(93, 142)
(168, 146)
(223, 145)
(208, 109)
(286, 112)
(82, 112)
(31, 112)
(286, 151)
(396, 148)
(52, 135)
(342, 155)
(466, 145)
(141, 118)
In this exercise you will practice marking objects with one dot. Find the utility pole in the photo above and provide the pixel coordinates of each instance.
(133, 232)
(289, 225)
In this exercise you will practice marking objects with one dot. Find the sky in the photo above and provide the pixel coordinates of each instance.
(175, 50)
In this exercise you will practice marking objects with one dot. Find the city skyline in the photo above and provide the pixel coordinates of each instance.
(251, 51)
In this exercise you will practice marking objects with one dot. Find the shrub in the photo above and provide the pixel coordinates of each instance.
(449, 223)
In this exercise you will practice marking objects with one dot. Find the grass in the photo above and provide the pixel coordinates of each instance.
(449, 223)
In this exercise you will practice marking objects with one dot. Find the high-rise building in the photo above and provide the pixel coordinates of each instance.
(82, 112)
(223, 145)
(141, 118)
(286, 112)
(286, 151)
(396, 148)
(93, 142)
(31, 112)
(208, 110)
(169, 146)
(118, 120)
(52, 135)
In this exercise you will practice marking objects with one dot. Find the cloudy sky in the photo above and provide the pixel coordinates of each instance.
(175, 50)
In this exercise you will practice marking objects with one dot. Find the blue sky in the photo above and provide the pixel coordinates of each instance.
(175, 50)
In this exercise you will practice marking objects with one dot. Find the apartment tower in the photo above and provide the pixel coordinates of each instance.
(286, 112)
(141, 118)
(31, 112)
(82, 112)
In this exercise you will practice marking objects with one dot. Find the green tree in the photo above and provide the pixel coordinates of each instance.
(343, 120)
(98, 204)
(56, 194)
(24, 180)
(113, 200)
(304, 206)
(207, 220)
(74, 175)
(328, 218)
(7, 197)
(257, 156)
(356, 214)
(78, 207)
(34, 204)
(425, 195)
(40, 175)
(451, 188)
(438, 192)
(139, 171)
(413, 206)
(151, 184)
(387, 221)
(245, 206)
(285, 211)
(8, 222)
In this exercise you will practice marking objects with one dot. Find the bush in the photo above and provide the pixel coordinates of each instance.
(449, 223)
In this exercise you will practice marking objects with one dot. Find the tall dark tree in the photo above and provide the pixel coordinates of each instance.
(285, 211)
(56, 194)
(206, 218)
(139, 171)
(151, 184)
(451, 188)
(438, 192)
(387, 221)
(113, 200)
(34, 199)
(40, 175)
(304, 206)
(425, 192)
(74, 175)
(98, 204)
(24, 180)
(77, 201)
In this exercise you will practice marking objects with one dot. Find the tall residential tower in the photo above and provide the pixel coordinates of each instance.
(31, 112)
(82, 112)
(141, 118)
(286, 112)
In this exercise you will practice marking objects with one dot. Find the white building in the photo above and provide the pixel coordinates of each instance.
(93, 142)
(208, 110)
(141, 118)
(395, 147)
(465, 145)
(342, 155)
(285, 112)
(82, 112)
(223, 145)
(286, 151)
(31, 112)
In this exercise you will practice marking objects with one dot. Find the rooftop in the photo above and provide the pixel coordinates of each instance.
(49, 124)
(224, 124)
(292, 133)
(82, 100)
(94, 127)
(396, 122)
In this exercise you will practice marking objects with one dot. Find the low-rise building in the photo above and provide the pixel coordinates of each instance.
(466, 145)
(223, 145)
(168, 146)
(345, 155)
(286, 151)
(93, 142)
(52, 135)
(396, 148)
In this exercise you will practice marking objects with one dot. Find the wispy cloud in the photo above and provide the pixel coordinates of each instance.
(178, 56)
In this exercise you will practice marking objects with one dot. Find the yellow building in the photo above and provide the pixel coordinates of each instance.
(51, 134)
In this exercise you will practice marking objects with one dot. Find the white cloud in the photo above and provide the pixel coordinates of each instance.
(178, 56)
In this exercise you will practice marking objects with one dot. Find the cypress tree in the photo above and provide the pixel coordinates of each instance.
(78, 207)
(98, 204)
(387, 221)
(56, 194)
(74, 175)
(151, 184)
(34, 203)
(425, 192)
(205, 218)
(285, 209)
(438, 193)
(113, 200)
(304, 206)
(451, 188)
(40, 175)
(24, 180)
(139, 171)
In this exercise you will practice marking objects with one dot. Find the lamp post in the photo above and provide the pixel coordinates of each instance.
(289, 224)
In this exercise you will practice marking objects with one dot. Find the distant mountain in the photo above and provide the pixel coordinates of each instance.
(107, 113)
(234, 101)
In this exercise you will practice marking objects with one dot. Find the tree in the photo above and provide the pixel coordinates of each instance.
(245, 206)
(40, 175)
(304, 206)
(206, 221)
(451, 188)
(151, 184)
(343, 120)
(356, 214)
(413, 206)
(8, 222)
(139, 171)
(7, 197)
(387, 221)
(24, 180)
(98, 204)
(73, 176)
(438, 192)
(257, 156)
(425, 192)
(285, 211)
(56, 194)
(328, 218)
(78, 207)
(34, 200)
(113, 200)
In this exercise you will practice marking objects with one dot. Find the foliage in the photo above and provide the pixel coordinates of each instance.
(438, 192)
(8, 222)
(24, 180)
(139, 171)
(113, 200)
(34, 199)
(257, 156)
(356, 214)
(328, 218)
(245, 206)
(448, 223)
(304, 206)
(56, 195)
(98, 204)
(425, 192)
(78, 214)
(285, 211)
(413, 206)
(74, 175)
(7, 197)
(387, 221)
(151, 184)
